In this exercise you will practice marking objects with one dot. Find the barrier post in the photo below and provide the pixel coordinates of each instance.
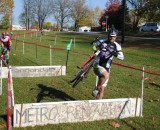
(74, 43)
(9, 109)
(16, 44)
(11, 86)
(141, 107)
(68, 49)
(50, 55)
(23, 46)
(1, 80)
(55, 40)
(40, 38)
(36, 50)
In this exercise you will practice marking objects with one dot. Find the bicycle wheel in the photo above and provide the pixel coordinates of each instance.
(77, 81)
(77, 75)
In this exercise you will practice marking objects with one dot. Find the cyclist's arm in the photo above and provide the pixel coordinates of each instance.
(9, 41)
(119, 52)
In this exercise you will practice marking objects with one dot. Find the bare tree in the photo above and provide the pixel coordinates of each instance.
(27, 15)
(61, 11)
(41, 10)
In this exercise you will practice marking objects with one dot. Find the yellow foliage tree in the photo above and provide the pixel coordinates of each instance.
(6, 6)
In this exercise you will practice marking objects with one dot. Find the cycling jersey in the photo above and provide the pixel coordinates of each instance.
(5, 40)
(108, 51)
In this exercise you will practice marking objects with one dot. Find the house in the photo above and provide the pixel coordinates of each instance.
(18, 27)
(84, 29)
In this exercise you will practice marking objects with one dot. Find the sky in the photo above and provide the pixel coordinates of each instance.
(18, 6)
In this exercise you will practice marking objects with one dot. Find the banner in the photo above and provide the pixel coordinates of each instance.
(74, 111)
(34, 71)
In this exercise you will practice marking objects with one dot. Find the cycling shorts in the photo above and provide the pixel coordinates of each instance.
(98, 70)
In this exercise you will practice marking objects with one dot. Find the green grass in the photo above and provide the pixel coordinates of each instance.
(124, 82)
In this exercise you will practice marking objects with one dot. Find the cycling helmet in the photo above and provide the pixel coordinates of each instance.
(112, 32)
(3, 33)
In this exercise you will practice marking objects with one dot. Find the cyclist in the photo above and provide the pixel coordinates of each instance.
(109, 48)
(6, 43)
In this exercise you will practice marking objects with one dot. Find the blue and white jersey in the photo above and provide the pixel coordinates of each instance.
(105, 57)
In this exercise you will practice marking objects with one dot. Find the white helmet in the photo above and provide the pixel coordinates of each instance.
(112, 32)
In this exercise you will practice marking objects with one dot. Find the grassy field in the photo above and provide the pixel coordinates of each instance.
(124, 82)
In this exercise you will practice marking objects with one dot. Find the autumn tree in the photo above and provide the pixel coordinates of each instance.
(47, 25)
(6, 6)
(110, 14)
(6, 9)
(88, 20)
(78, 12)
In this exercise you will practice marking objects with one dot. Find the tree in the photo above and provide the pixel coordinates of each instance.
(41, 9)
(6, 9)
(97, 13)
(138, 11)
(5, 21)
(47, 25)
(27, 14)
(152, 10)
(78, 12)
(61, 10)
(6, 6)
(110, 14)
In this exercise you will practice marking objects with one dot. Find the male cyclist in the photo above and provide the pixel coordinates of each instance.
(108, 49)
(6, 43)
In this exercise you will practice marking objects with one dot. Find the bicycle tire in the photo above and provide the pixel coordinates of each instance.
(77, 75)
(83, 71)
(77, 81)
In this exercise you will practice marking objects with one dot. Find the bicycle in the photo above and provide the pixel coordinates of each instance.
(85, 67)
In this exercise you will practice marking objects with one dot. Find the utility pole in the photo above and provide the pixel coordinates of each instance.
(123, 24)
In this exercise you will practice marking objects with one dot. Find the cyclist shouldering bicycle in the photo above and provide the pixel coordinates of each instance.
(109, 49)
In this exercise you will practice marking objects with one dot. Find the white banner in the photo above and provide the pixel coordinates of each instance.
(74, 111)
(34, 71)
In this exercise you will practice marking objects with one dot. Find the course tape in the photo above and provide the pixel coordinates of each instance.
(152, 73)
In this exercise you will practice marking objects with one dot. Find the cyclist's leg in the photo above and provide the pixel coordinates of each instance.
(103, 76)
(7, 54)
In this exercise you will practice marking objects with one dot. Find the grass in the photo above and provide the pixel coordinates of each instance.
(124, 82)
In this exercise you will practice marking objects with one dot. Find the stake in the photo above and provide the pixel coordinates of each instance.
(23, 46)
(142, 92)
(50, 55)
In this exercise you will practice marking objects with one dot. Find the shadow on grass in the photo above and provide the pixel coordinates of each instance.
(156, 85)
(4, 117)
(52, 93)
